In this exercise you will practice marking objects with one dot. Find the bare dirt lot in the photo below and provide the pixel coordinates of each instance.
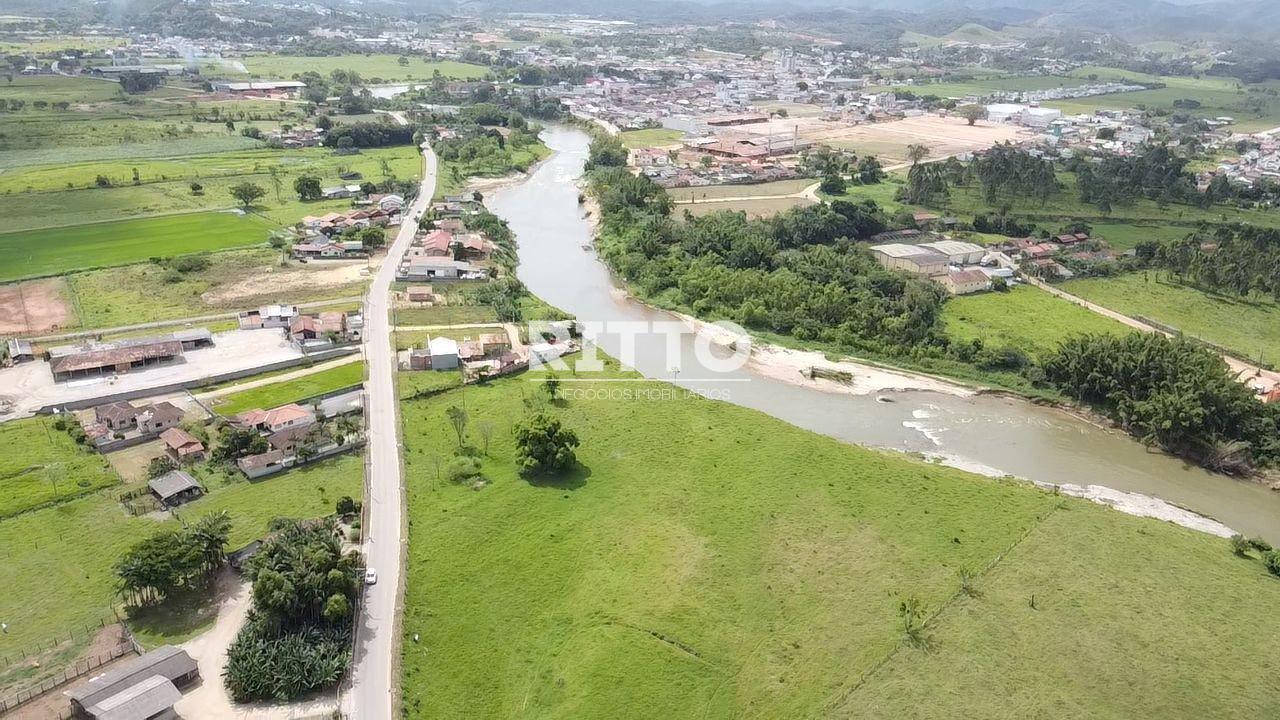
(889, 140)
(35, 306)
(280, 281)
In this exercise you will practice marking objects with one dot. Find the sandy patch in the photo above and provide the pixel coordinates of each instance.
(943, 136)
(271, 280)
(35, 306)
(792, 366)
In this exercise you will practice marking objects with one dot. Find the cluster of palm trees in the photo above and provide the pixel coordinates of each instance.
(298, 637)
(173, 560)
(1169, 392)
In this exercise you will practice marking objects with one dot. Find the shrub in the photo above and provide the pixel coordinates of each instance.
(1271, 559)
(1239, 545)
(461, 469)
(1259, 544)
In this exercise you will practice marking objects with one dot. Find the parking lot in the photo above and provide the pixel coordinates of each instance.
(30, 386)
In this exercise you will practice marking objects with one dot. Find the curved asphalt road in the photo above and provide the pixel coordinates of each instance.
(373, 680)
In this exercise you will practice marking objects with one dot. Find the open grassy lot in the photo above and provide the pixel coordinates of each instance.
(57, 88)
(406, 339)
(287, 391)
(52, 251)
(460, 311)
(40, 464)
(383, 67)
(651, 137)
(984, 86)
(72, 546)
(1254, 107)
(234, 279)
(1250, 328)
(1026, 317)
(707, 561)
(1125, 236)
(756, 207)
(780, 187)
(454, 174)
(165, 186)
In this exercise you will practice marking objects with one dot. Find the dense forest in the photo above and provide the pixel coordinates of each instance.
(1172, 393)
(800, 273)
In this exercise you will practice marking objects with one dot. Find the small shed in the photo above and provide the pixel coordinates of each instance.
(175, 487)
(20, 350)
(444, 353)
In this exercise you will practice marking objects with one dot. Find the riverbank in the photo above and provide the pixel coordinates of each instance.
(990, 429)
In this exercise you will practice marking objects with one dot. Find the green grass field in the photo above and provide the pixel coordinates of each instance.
(651, 137)
(53, 251)
(1124, 236)
(217, 173)
(707, 561)
(287, 391)
(1254, 107)
(40, 464)
(382, 67)
(1026, 317)
(1250, 328)
(780, 187)
(73, 546)
(755, 208)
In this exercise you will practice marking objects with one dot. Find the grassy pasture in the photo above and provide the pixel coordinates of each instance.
(1249, 327)
(287, 391)
(1124, 236)
(753, 207)
(1026, 317)
(650, 137)
(51, 251)
(710, 562)
(40, 464)
(62, 207)
(384, 67)
(72, 546)
(780, 187)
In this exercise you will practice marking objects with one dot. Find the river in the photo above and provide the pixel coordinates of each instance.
(989, 434)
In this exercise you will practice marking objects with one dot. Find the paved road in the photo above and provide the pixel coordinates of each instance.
(372, 691)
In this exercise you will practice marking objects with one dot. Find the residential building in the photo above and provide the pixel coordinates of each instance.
(964, 282)
(159, 417)
(182, 446)
(276, 419)
(268, 316)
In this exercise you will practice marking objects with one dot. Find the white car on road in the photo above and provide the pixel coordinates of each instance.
(370, 576)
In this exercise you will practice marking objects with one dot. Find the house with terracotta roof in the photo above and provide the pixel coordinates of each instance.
(276, 419)
(182, 446)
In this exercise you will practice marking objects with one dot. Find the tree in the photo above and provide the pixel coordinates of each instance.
(972, 113)
(197, 188)
(276, 182)
(345, 505)
(247, 193)
(832, 184)
(869, 170)
(235, 443)
(308, 188)
(159, 466)
(606, 151)
(458, 419)
(917, 152)
(544, 446)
